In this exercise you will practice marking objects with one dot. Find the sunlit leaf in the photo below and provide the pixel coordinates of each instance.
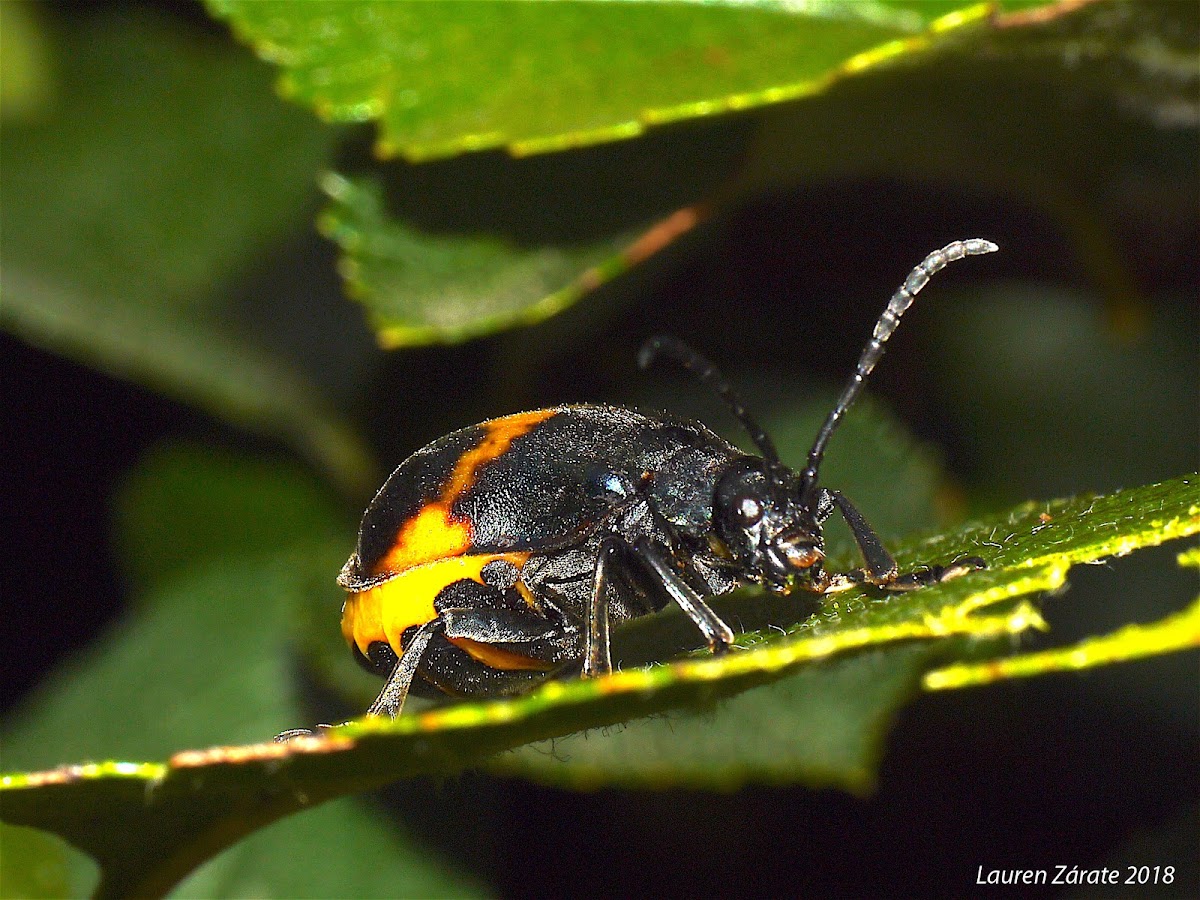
(443, 78)
(1180, 631)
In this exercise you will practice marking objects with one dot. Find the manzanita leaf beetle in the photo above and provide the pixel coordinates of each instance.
(504, 552)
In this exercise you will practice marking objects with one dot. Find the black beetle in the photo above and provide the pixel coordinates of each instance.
(504, 552)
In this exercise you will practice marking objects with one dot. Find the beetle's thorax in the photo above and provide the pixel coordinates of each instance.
(759, 516)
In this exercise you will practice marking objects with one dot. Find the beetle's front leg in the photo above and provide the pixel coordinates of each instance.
(821, 582)
(881, 569)
(928, 575)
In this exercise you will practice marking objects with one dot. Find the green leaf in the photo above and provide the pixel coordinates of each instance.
(204, 800)
(205, 661)
(1180, 631)
(128, 210)
(824, 726)
(421, 287)
(36, 865)
(443, 78)
(547, 76)
(459, 248)
(26, 80)
(375, 861)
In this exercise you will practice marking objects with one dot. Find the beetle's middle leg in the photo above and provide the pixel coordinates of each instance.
(654, 557)
(597, 657)
(616, 558)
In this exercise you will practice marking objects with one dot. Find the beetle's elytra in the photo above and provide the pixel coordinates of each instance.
(505, 551)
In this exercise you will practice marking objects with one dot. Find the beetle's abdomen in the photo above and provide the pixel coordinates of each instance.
(384, 612)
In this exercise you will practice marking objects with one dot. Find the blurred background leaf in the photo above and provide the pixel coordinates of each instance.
(130, 203)
(227, 551)
(26, 82)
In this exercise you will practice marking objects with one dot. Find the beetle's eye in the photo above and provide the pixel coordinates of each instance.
(748, 511)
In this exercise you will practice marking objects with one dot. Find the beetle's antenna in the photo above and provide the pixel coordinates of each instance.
(888, 320)
(708, 375)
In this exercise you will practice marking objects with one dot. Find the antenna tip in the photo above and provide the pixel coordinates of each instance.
(978, 246)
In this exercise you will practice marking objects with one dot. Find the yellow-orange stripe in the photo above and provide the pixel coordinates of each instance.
(384, 612)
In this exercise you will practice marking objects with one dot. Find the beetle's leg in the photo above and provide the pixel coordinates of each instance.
(292, 733)
(505, 617)
(881, 569)
(497, 626)
(928, 575)
(523, 632)
(715, 631)
(881, 565)
(597, 657)
(395, 689)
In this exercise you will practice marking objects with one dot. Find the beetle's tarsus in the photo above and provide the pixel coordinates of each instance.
(284, 736)
(936, 574)
(292, 733)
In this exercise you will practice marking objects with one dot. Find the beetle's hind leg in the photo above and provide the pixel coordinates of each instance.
(395, 690)
(881, 569)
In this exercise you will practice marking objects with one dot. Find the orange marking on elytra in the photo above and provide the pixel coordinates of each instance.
(498, 437)
(434, 532)
(429, 535)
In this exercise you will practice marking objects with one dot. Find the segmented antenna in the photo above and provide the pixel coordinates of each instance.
(888, 320)
(708, 375)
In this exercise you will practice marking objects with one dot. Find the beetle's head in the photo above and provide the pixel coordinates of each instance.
(760, 519)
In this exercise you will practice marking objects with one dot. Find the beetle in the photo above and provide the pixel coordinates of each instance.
(502, 554)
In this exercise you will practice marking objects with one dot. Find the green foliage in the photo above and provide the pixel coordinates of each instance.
(881, 84)
(25, 78)
(157, 225)
(446, 77)
(161, 208)
(214, 505)
(422, 288)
